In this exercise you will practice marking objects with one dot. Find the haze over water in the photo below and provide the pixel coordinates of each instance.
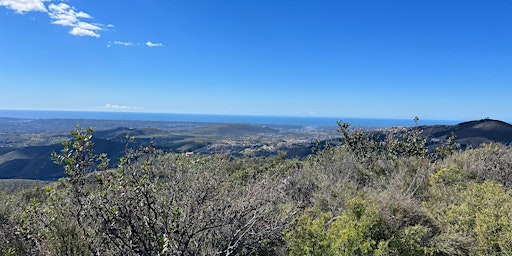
(208, 118)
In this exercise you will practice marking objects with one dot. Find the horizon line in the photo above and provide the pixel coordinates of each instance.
(120, 111)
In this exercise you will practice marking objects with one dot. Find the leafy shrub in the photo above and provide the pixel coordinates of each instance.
(158, 204)
(490, 162)
(378, 194)
(362, 229)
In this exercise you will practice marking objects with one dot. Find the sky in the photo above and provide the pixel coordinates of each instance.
(436, 59)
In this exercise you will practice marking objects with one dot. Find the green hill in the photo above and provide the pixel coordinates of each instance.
(35, 162)
(122, 132)
(232, 130)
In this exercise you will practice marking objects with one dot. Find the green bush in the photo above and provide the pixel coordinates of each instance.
(484, 218)
(378, 194)
(360, 230)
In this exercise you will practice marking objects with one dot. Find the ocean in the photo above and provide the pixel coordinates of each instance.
(211, 118)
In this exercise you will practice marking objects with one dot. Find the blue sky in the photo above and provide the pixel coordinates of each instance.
(436, 59)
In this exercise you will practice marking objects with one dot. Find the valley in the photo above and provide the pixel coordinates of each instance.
(26, 144)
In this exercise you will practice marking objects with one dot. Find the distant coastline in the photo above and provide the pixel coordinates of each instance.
(213, 118)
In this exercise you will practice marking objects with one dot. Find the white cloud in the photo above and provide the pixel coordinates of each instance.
(77, 31)
(65, 15)
(117, 107)
(123, 43)
(22, 6)
(151, 44)
(88, 26)
(61, 14)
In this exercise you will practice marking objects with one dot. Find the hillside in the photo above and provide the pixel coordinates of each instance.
(472, 133)
(30, 158)
(232, 130)
(357, 199)
(14, 185)
(35, 162)
(25, 153)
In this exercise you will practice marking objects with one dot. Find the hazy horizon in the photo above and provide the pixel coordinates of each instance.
(213, 114)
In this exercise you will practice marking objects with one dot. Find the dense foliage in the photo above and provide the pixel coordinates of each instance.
(375, 195)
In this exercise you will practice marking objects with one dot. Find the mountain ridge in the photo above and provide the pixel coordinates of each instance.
(34, 162)
(471, 133)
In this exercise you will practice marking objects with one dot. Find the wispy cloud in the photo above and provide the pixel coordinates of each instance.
(123, 43)
(65, 15)
(117, 107)
(22, 6)
(61, 14)
(128, 44)
(151, 44)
